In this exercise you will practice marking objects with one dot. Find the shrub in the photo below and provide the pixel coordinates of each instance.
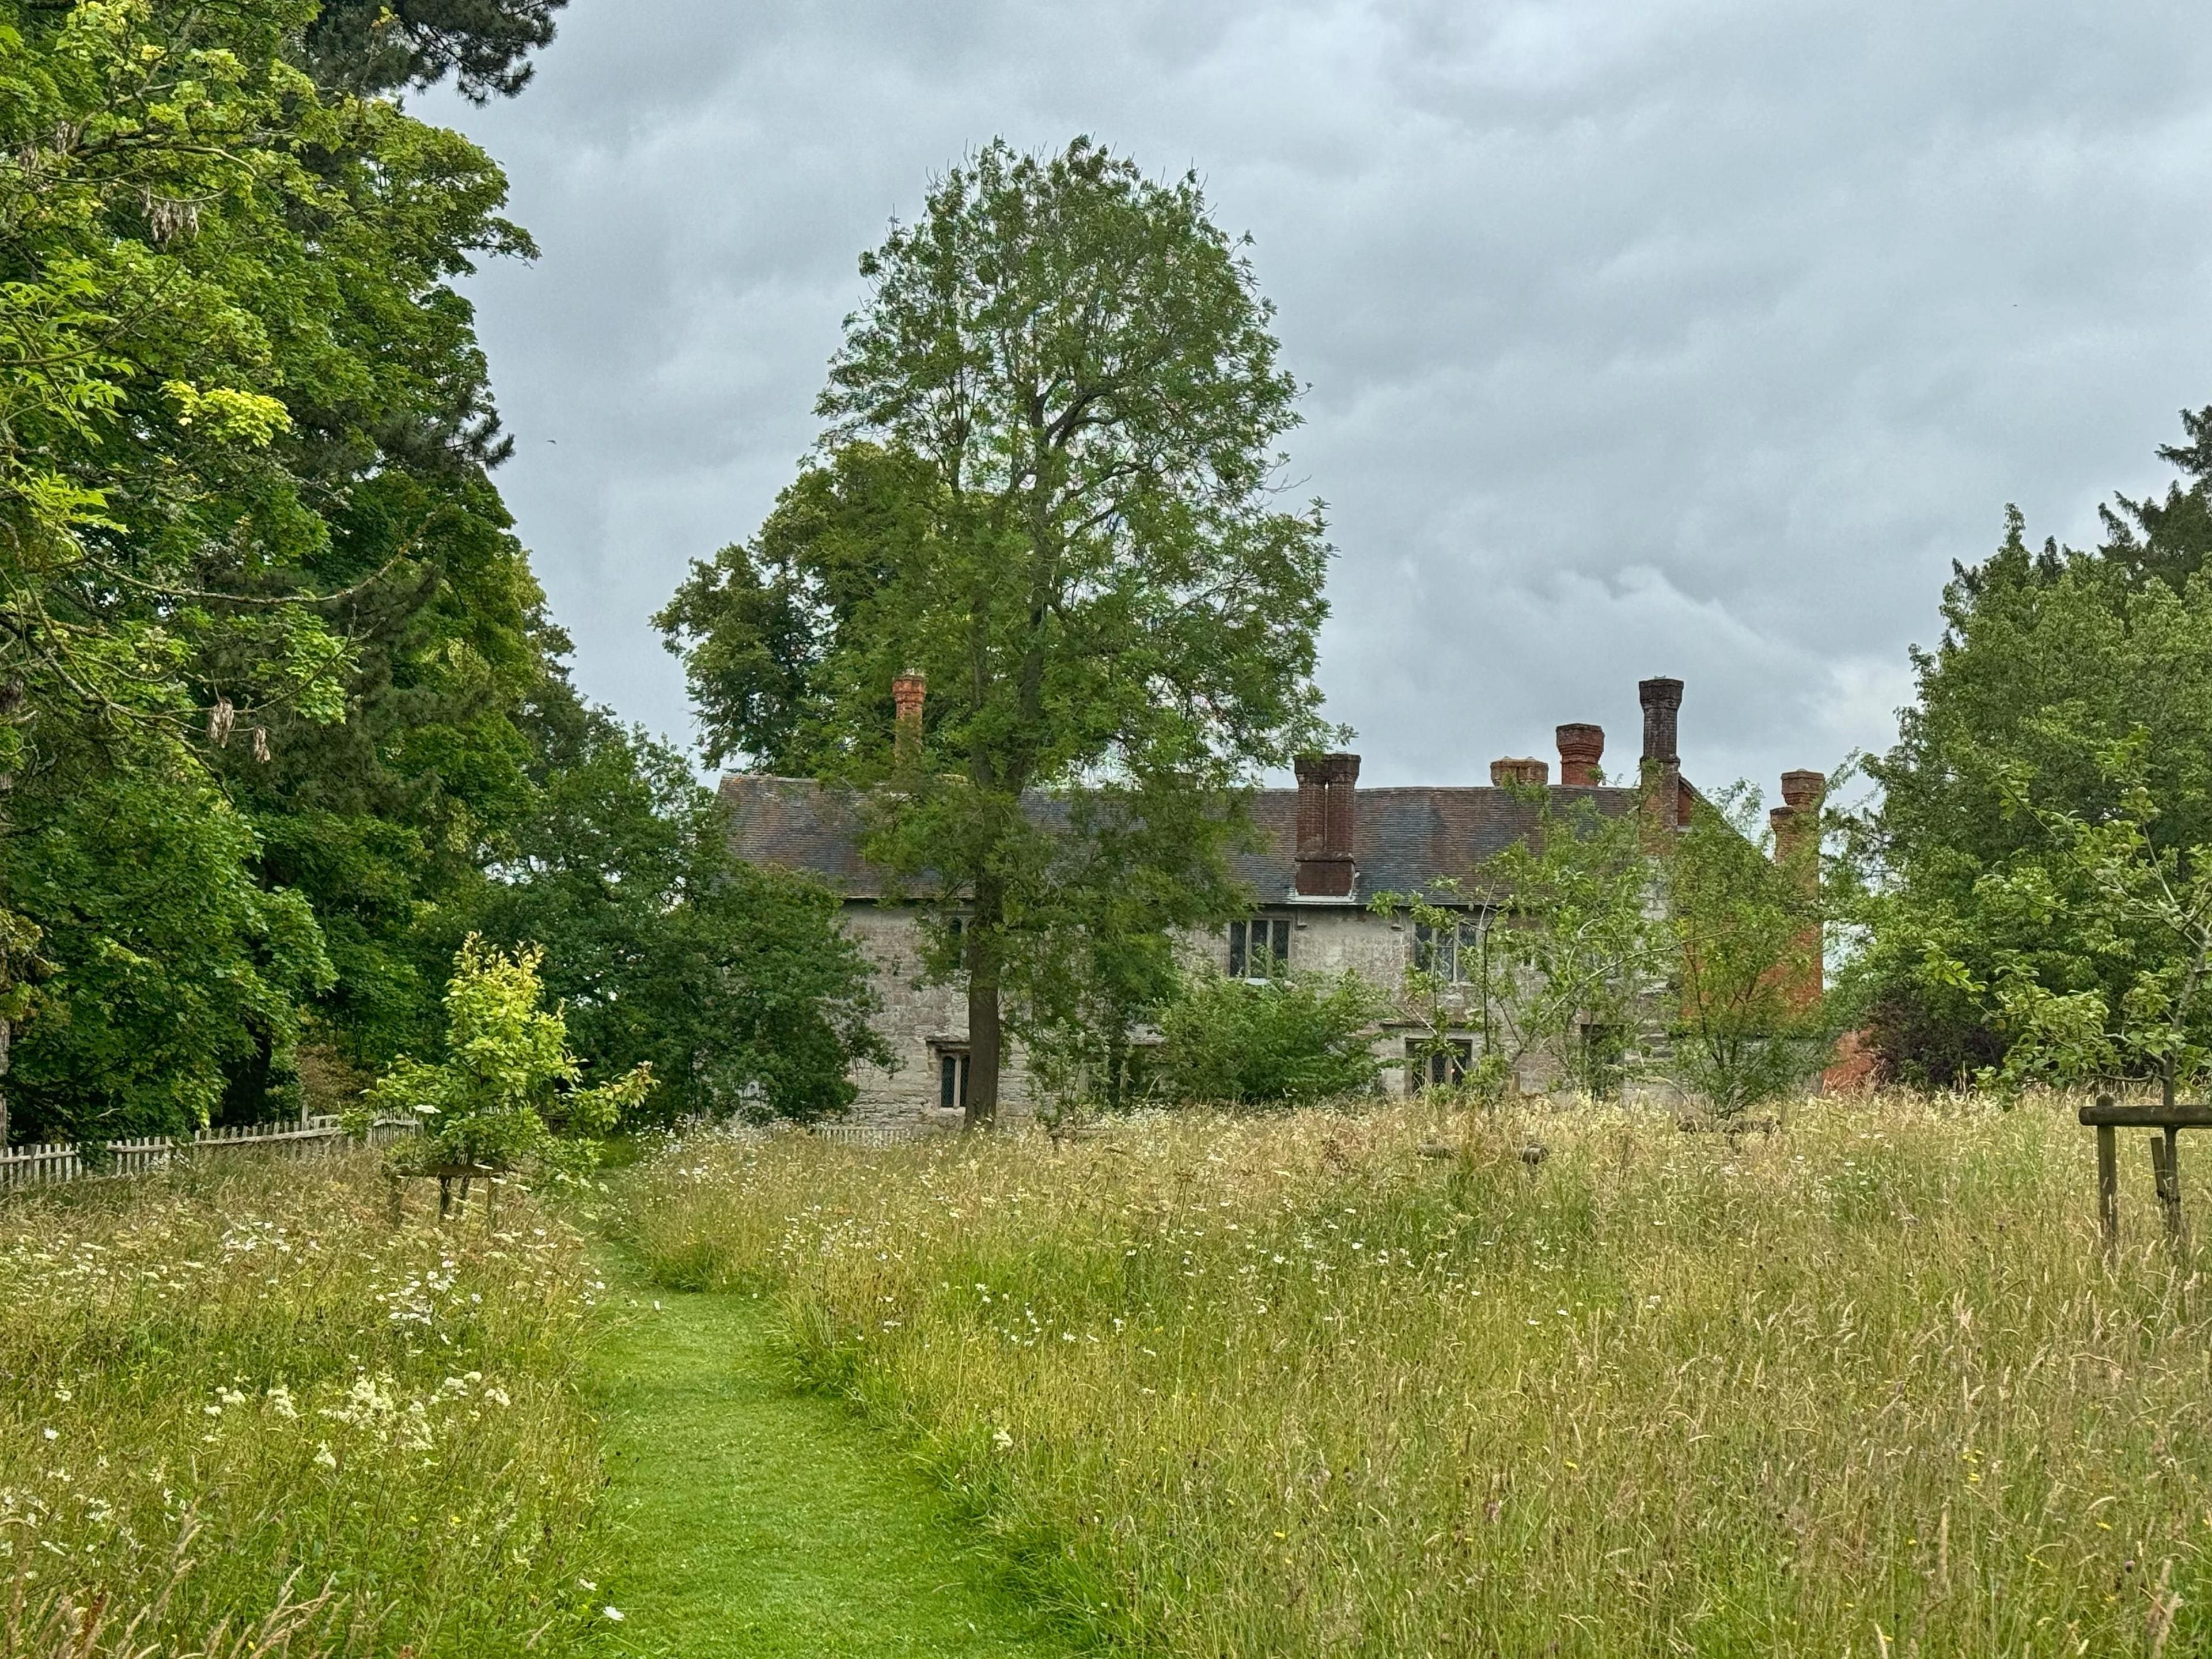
(506, 1096)
(1249, 1043)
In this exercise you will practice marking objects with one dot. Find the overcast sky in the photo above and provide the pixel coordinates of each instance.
(1643, 336)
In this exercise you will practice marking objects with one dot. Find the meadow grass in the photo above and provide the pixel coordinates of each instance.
(1287, 1385)
(747, 1520)
(241, 1412)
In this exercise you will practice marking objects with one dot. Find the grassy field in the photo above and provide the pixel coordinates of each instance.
(242, 1413)
(746, 1520)
(1287, 1385)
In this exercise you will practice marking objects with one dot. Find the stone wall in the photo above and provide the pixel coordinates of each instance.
(918, 1021)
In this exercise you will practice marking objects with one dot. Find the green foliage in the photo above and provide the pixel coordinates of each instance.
(2048, 661)
(245, 519)
(1744, 935)
(1558, 940)
(380, 45)
(164, 970)
(507, 1095)
(1233, 1041)
(2099, 944)
(2167, 540)
(736, 985)
(222, 280)
(759, 628)
(1048, 486)
(244, 507)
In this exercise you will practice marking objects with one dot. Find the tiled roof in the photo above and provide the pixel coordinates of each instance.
(1405, 839)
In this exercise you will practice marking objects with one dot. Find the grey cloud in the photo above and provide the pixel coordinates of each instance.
(1693, 337)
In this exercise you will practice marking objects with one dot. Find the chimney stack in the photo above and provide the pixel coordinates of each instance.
(1582, 746)
(1327, 824)
(908, 691)
(1662, 762)
(1663, 702)
(1796, 826)
(1520, 771)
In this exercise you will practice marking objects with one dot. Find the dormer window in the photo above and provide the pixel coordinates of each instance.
(1260, 949)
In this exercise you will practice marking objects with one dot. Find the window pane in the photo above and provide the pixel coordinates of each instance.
(1236, 950)
(1281, 951)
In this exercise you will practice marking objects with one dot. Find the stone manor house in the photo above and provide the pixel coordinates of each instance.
(1328, 847)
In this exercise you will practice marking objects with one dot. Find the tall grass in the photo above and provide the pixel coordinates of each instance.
(242, 1413)
(1288, 1387)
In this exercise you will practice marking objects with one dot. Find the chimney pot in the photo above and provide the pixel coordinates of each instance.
(1582, 746)
(1521, 769)
(1803, 790)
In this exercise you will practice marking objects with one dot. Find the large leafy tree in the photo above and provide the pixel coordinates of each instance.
(2050, 658)
(243, 509)
(736, 985)
(1065, 517)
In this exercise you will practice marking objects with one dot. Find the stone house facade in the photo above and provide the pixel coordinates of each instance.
(1328, 848)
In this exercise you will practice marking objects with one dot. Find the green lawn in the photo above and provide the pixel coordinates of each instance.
(754, 1521)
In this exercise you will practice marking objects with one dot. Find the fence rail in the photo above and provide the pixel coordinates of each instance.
(45, 1164)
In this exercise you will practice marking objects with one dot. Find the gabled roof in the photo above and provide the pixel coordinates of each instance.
(1406, 840)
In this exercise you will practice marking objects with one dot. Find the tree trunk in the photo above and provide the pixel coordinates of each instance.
(983, 1026)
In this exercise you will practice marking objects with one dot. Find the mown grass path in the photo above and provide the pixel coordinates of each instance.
(755, 1522)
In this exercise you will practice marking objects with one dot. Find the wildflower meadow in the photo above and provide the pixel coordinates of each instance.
(1578, 1382)
(242, 1412)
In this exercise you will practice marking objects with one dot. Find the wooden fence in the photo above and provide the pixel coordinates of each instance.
(43, 1165)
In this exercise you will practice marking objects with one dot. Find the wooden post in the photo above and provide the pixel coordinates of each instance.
(2108, 1182)
(2166, 1173)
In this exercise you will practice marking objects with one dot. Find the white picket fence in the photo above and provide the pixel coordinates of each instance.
(45, 1164)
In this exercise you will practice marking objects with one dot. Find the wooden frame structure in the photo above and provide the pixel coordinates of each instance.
(2108, 1118)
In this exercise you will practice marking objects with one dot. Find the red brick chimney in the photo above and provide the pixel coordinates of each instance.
(1796, 826)
(1525, 770)
(1662, 761)
(908, 691)
(1327, 824)
(1581, 748)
